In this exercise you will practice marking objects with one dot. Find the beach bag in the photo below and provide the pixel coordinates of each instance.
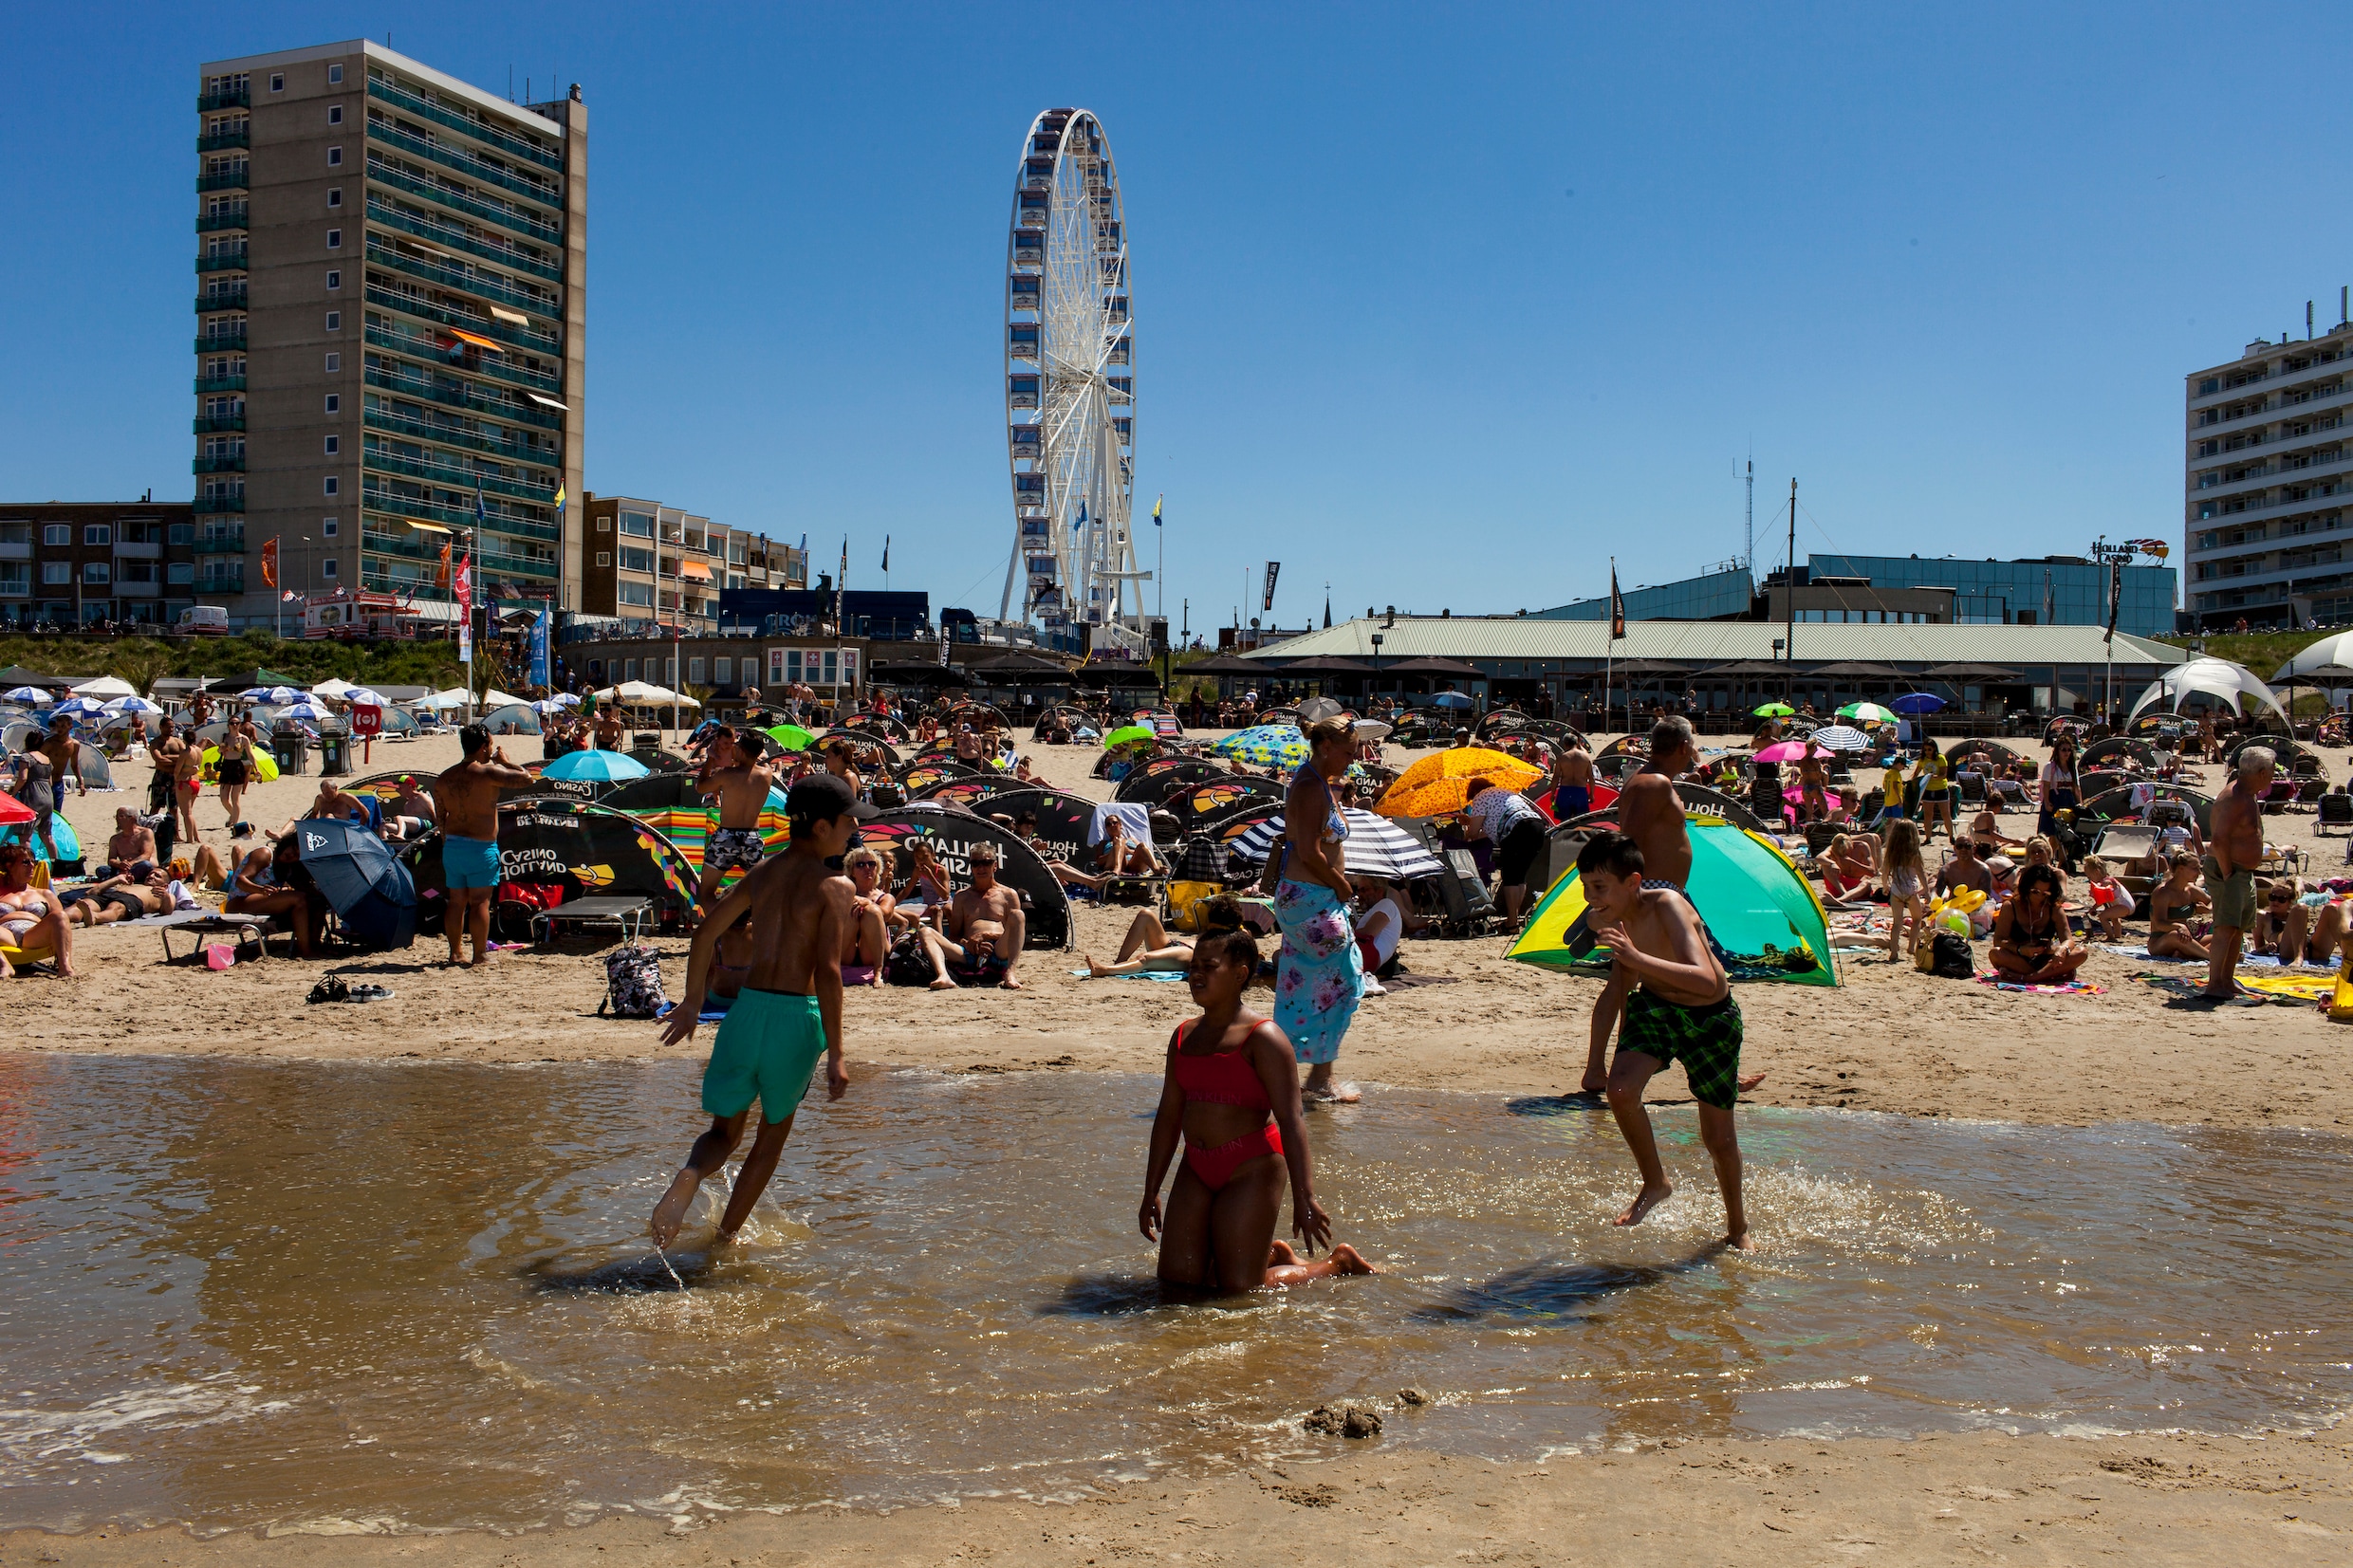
(1185, 900)
(1949, 957)
(633, 984)
(907, 964)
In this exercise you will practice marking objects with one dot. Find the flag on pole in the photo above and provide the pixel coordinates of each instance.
(269, 563)
(559, 498)
(886, 552)
(2116, 599)
(1156, 509)
(441, 577)
(840, 584)
(1617, 606)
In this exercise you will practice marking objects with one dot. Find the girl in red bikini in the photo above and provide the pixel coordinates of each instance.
(1233, 1091)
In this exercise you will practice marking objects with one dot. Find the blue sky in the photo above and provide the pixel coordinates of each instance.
(1443, 305)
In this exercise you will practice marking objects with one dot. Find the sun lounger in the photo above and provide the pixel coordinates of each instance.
(630, 916)
(247, 931)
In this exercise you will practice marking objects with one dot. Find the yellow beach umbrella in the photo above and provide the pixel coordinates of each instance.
(1434, 787)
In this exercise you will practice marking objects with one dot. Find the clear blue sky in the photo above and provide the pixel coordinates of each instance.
(1444, 304)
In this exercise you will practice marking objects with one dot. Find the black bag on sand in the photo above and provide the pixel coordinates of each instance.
(907, 965)
(1949, 955)
(633, 984)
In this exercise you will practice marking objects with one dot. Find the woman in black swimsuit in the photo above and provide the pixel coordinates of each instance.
(2031, 937)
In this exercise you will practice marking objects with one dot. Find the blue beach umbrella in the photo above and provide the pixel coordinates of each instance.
(595, 767)
(357, 873)
(28, 694)
(1916, 703)
(1267, 745)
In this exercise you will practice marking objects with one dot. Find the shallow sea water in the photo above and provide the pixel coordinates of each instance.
(335, 1296)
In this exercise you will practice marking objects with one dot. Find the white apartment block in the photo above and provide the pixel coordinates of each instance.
(2269, 473)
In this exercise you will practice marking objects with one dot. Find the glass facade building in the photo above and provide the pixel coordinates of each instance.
(2060, 591)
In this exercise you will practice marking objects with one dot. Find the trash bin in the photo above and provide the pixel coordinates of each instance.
(292, 750)
(334, 751)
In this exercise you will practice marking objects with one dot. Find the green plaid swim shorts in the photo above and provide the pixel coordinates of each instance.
(1705, 1039)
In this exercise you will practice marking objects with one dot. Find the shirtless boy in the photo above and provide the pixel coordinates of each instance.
(2230, 866)
(466, 796)
(788, 1012)
(1684, 1009)
(736, 773)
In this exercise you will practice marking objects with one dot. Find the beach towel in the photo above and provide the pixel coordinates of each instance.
(2183, 987)
(1133, 816)
(1141, 974)
(1319, 976)
(2073, 987)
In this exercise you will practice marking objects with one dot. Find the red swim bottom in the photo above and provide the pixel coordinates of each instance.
(1215, 1167)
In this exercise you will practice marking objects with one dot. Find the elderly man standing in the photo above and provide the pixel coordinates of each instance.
(2230, 864)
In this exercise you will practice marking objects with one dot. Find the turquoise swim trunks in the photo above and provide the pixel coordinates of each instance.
(767, 1049)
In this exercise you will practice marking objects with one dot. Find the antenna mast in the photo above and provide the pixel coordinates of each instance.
(1748, 543)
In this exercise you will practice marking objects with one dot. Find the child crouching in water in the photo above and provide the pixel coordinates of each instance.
(1233, 1091)
(1682, 1011)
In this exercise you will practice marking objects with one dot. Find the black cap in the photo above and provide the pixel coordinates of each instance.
(822, 797)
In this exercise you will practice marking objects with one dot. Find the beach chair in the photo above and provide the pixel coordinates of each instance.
(2335, 811)
(19, 958)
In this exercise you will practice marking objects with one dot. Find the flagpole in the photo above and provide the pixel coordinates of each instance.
(1609, 646)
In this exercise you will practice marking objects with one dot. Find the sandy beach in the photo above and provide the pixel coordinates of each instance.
(1888, 1040)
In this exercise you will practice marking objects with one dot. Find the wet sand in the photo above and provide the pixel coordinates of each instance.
(1888, 1040)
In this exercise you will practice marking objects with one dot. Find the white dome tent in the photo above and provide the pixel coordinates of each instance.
(2217, 679)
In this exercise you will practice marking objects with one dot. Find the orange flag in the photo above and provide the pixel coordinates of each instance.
(269, 563)
(444, 577)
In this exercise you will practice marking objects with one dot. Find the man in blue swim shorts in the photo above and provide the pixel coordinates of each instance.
(787, 1013)
(466, 797)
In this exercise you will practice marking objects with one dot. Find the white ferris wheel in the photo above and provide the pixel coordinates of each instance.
(1070, 387)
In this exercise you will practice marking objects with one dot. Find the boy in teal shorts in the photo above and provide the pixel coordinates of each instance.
(789, 1012)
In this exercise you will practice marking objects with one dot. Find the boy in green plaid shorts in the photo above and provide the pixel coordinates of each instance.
(1683, 1012)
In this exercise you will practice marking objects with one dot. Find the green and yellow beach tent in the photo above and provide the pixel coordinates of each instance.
(1753, 898)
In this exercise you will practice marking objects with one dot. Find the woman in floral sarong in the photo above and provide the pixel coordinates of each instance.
(1319, 976)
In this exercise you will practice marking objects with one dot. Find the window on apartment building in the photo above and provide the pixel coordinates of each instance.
(334, 157)
(629, 669)
(334, 321)
(636, 594)
(636, 560)
(334, 363)
(181, 572)
(723, 671)
(277, 82)
(327, 526)
(333, 486)
(98, 533)
(333, 196)
(335, 114)
(334, 402)
(327, 567)
(334, 444)
(56, 533)
(605, 525)
(96, 571)
(604, 558)
(183, 533)
(695, 672)
(57, 571)
(335, 239)
(638, 524)
(334, 279)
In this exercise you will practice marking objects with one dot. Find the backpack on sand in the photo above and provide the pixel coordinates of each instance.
(1949, 957)
(633, 982)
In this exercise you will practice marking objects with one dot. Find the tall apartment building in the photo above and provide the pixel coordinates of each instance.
(642, 561)
(2267, 475)
(390, 311)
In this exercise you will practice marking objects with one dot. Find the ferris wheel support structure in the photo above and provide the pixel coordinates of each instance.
(1070, 389)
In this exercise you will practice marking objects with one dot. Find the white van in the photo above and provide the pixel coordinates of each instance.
(202, 619)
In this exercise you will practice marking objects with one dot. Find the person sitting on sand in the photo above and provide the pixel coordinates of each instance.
(132, 849)
(867, 941)
(1847, 869)
(265, 882)
(1231, 1091)
(1987, 830)
(2110, 899)
(2294, 932)
(2171, 903)
(1683, 1009)
(985, 929)
(1151, 947)
(2030, 938)
(31, 917)
(1380, 923)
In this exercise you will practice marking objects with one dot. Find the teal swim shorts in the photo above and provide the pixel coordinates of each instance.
(767, 1049)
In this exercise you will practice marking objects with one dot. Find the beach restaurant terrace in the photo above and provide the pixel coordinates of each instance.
(1984, 674)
